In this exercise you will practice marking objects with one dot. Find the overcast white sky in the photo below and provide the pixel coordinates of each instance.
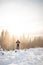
(22, 15)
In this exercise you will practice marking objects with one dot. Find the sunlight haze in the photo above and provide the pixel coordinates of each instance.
(22, 16)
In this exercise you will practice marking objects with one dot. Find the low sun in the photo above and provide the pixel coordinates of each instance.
(19, 28)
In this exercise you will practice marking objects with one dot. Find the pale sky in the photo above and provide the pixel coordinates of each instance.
(22, 16)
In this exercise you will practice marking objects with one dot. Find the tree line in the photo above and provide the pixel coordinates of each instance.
(9, 43)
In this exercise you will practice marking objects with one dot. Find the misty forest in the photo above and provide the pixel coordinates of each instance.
(8, 42)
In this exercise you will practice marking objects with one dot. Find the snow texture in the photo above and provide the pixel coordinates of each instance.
(32, 56)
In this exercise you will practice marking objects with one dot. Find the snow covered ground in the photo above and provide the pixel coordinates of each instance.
(32, 56)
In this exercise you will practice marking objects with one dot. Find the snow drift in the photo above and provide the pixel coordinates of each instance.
(32, 56)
